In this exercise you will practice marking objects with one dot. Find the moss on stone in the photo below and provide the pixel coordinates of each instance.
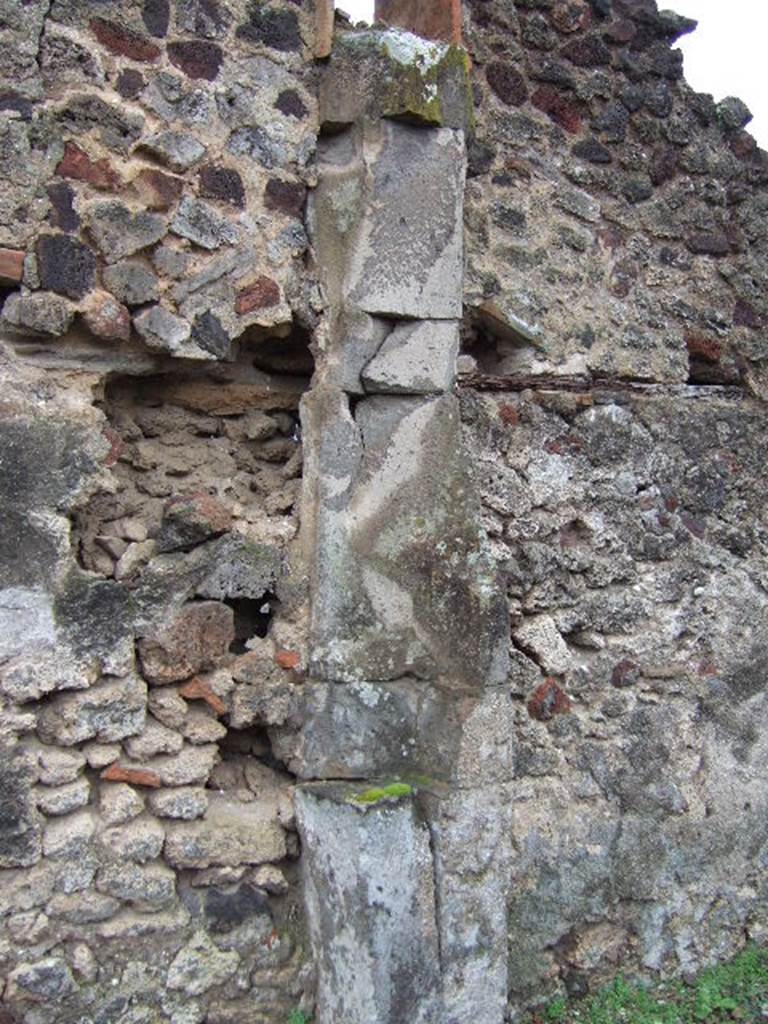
(377, 794)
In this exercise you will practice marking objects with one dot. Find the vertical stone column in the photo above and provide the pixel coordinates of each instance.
(408, 632)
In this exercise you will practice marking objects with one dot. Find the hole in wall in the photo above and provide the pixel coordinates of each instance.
(252, 619)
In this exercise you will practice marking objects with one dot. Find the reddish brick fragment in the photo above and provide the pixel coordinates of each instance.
(124, 41)
(135, 776)
(558, 107)
(107, 318)
(78, 165)
(11, 265)
(260, 294)
(116, 446)
(703, 346)
(287, 659)
(221, 183)
(509, 415)
(549, 700)
(285, 196)
(196, 58)
(158, 190)
(507, 83)
(196, 689)
(625, 673)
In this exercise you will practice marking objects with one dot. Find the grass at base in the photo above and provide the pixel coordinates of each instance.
(735, 991)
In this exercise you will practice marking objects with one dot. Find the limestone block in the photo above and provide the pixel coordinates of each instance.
(154, 739)
(119, 802)
(415, 358)
(140, 840)
(200, 965)
(108, 711)
(231, 833)
(184, 802)
(400, 729)
(20, 844)
(190, 766)
(399, 560)
(395, 74)
(407, 260)
(470, 839)
(148, 886)
(192, 641)
(372, 917)
(54, 800)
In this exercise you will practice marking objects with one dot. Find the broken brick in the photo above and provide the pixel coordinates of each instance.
(549, 700)
(285, 196)
(263, 292)
(78, 165)
(221, 183)
(107, 318)
(158, 190)
(11, 265)
(196, 689)
(196, 58)
(287, 659)
(135, 776)
(124, 42)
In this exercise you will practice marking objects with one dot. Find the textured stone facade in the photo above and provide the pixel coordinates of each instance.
(375, 409)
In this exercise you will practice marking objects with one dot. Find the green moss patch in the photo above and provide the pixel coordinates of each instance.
(393, 791)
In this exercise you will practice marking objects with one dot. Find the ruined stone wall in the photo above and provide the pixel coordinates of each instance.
(156, 325)
(266, 552)
(613, 399)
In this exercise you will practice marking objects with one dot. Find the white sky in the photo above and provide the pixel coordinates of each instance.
(725, 56)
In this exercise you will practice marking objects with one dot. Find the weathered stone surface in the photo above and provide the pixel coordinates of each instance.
(192, 765)
(398, 75)
(69, 838)
(55, 800)
(200, 965)
(201, 224)
(373, 930)
(38, 313)
(185, 802)
(20, 844)
(190, 643)
(414, 359)
(132, 282)
(177, 150)
(119, 803)
(242, 568)
(147, 887)
(380, 610)
(406, 258)
(43, 981)
(107, 711)
(163, 330)
(139, 841)
(231, 833)
(119, 231)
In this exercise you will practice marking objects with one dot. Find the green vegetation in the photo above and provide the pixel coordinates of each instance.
(736, 991)
(298, 1017)
(393, 791)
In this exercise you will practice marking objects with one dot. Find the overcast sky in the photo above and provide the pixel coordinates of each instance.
(725, 56)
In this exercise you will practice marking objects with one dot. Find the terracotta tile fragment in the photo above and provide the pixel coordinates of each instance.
(136, 776)
(196, 689)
